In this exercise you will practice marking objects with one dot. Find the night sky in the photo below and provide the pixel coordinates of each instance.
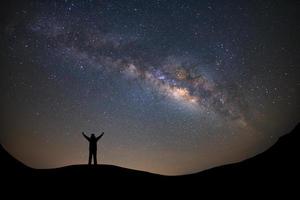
(177, 86)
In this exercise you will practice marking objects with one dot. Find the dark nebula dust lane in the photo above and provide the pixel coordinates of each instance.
(177, 86)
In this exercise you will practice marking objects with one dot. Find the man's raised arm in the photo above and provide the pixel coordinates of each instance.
(100, 136)
(86, 137)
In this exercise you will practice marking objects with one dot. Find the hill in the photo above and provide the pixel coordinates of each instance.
(277, 167)
(280, 161)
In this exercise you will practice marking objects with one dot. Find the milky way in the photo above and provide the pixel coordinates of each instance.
(180, 80)
(177, 86)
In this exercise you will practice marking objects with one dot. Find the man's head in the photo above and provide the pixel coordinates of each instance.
(93, 135)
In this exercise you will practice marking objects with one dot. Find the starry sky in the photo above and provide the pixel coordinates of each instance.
(177, 86)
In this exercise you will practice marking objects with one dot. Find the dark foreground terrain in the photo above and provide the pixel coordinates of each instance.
(276, 168)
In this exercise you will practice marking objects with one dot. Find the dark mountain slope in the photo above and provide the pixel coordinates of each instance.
(276, 168)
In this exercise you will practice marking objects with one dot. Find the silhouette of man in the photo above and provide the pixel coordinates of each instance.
(93, 147)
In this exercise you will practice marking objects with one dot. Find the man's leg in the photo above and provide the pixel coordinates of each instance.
(95, 158)
(90, 157)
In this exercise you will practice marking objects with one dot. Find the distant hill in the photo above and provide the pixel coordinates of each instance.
(278, 166)
(10, 166)
(279, 162)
